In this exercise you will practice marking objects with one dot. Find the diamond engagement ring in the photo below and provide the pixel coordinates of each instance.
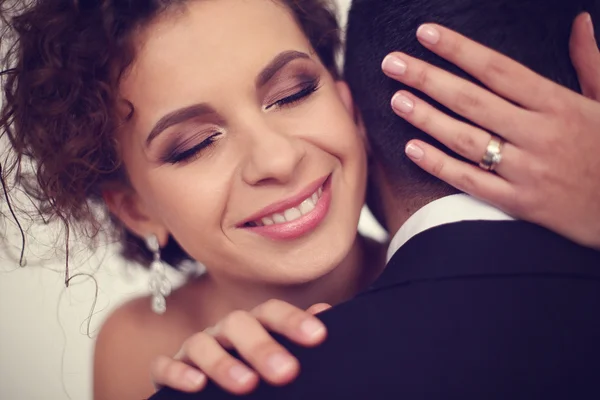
(493, 154)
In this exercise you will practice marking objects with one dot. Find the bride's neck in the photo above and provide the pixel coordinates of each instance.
(352, 275)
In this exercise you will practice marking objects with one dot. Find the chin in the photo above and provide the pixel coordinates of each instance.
(313, 263)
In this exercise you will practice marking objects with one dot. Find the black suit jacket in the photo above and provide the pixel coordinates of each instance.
(470, 310)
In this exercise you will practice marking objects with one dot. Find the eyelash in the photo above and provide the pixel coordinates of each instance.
(308, 89)
(187, 155)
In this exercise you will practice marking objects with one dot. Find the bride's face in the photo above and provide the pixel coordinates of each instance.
(242, 146)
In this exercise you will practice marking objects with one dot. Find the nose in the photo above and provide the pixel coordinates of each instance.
(273, 157)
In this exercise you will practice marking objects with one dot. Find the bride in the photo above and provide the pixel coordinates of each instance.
(218, 132)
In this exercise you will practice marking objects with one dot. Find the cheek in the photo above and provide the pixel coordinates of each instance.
(341, 138)
(191, 206)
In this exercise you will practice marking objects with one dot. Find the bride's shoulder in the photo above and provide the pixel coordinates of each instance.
(134, 329)
(132, 317)
(133, 336)
(124, 349)
(135, 318)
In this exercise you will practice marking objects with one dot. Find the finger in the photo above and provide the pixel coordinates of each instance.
(500, 73)
(463, 176)
(463, 97)
(205, 352)
(460, 137)
(586, 56)
(318, 308)
(214, 331)
(175, 374)
(271, 360)
(290, 321)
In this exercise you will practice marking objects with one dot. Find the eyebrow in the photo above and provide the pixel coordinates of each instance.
(278, 63)
(198, 110)
(177, 117)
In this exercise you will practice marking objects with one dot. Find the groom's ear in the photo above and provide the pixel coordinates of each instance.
(346, 96)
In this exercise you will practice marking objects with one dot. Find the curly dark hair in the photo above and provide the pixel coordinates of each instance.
(61, 101)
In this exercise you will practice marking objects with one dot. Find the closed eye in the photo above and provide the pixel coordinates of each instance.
(304, 91)
(176, 155)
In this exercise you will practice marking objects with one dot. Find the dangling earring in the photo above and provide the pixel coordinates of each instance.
(160, 287)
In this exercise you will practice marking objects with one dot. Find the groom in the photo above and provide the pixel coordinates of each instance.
(472, 304)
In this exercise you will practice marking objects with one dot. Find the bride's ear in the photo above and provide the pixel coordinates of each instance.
(125, 204)
(346, 96)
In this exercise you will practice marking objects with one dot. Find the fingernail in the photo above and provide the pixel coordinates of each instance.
(428, 34)
(590, 24)
(280, 363)
(194, 378)
(240, 374)
(393, 65)
(402, 104)
(415, 152)
(312, 328)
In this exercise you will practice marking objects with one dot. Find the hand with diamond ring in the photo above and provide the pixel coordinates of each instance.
(545, 147)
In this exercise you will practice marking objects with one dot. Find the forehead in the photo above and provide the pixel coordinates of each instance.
(212, 41)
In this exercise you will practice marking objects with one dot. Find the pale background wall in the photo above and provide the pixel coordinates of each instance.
(44, 350)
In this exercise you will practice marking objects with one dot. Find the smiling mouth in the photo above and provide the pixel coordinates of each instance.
(305, 207)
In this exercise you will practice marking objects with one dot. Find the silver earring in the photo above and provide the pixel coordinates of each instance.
(160, 287)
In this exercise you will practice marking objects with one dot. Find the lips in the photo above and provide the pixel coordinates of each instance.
(295, 216)
(290, 214)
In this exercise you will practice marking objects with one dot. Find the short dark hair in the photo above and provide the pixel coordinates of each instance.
(533, 32)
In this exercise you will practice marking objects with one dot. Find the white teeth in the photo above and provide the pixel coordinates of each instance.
(315, 198)
(278, 218)
(291, 214)
(307, 206)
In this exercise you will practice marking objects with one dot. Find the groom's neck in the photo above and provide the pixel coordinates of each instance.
(399, 207)
(400, 200)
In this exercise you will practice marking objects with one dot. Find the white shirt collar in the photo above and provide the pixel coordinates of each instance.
(449, 209)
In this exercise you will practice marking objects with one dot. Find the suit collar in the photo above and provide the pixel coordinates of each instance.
(485, 248)
(449, 209)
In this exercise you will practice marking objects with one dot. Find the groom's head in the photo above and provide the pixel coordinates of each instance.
(534, 32)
